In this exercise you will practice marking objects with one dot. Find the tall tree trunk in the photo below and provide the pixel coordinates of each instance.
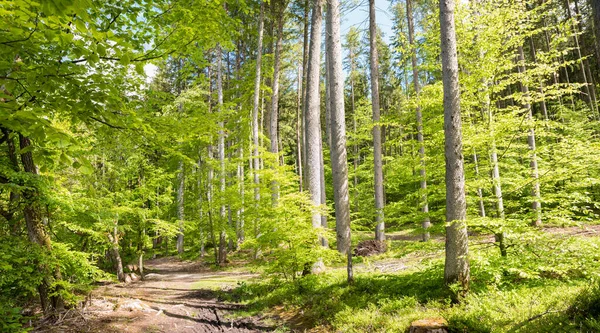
(354, 123)
(422, 170)
(221, 149)
(36, 233)
(305, 51)
(200, 210)
(180, 206)
(586, 88)
(377, 155)
(543, 108)
(273, 132)
(339, 159)
(209, 199)
(535, 192)
(479, 190)
(456, 268)
(313, 115)
(299, 135)
(255, 132)
(596, 16)
(497, 184)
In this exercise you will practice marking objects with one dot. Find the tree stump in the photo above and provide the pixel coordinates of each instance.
(430, 325)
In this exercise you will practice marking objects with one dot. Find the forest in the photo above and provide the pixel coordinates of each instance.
(420, 166)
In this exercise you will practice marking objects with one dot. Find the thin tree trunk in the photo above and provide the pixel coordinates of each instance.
(180, 206)
(497, 184)
(209, 199)
(377, 155)
(586, 88)
(299, 131)
(426, 223)
(543, 107)
(339, 159)
(221, 148)
(255, 133)
(596, 15)
(114, 240)
(305, 51)
(274, 121)
(479, 190)
(200, 210)
(535, 192)
(456, 268)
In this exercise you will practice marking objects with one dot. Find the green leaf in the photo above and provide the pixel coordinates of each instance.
(125, 60)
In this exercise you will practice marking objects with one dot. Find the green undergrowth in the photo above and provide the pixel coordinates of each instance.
(545, 284)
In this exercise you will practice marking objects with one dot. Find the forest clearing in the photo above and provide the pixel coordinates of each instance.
(420, 166)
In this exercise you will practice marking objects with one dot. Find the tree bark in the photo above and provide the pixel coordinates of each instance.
(274, 119)
(221, 149)
(535, 192)
(299, 135)
(180, 206)
(313, 115)
(377, 155)
(426, 223)
(339, 159)
(305, 51)
(37, 234)
(456, 268)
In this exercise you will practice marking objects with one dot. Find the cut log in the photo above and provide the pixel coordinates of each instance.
(429, 325)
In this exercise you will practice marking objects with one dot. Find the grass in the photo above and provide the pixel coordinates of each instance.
(535, 289)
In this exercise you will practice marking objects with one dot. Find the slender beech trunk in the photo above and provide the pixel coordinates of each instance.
(114, 248)
(496, 182)
(535, 192)
(422, 170)
(339, 159)
(586, 88)
(305, 51)
(200, 209)
(299, 131)
(543, 108)
(180, 206)
(240, 167)
(221, 149)
(456, 268)
(209, 199)
(377, 155)
(479, 190)
(590, 79)
(255, 133)
(274, 119)
(596, 15)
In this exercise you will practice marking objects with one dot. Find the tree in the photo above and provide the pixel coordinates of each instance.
(274, 118)
(255, 131)
(313, 115)
(339, 160)
(456, 268)
(422, 170)
(377, 154)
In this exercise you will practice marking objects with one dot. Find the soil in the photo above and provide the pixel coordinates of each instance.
(175, 296)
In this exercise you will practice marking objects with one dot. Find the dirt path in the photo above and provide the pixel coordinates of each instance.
(176, 297)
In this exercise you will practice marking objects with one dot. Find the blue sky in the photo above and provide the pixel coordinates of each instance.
(355, 13)
(358, 15)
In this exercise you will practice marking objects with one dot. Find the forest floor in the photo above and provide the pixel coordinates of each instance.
(188, 296)
(176, 296)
